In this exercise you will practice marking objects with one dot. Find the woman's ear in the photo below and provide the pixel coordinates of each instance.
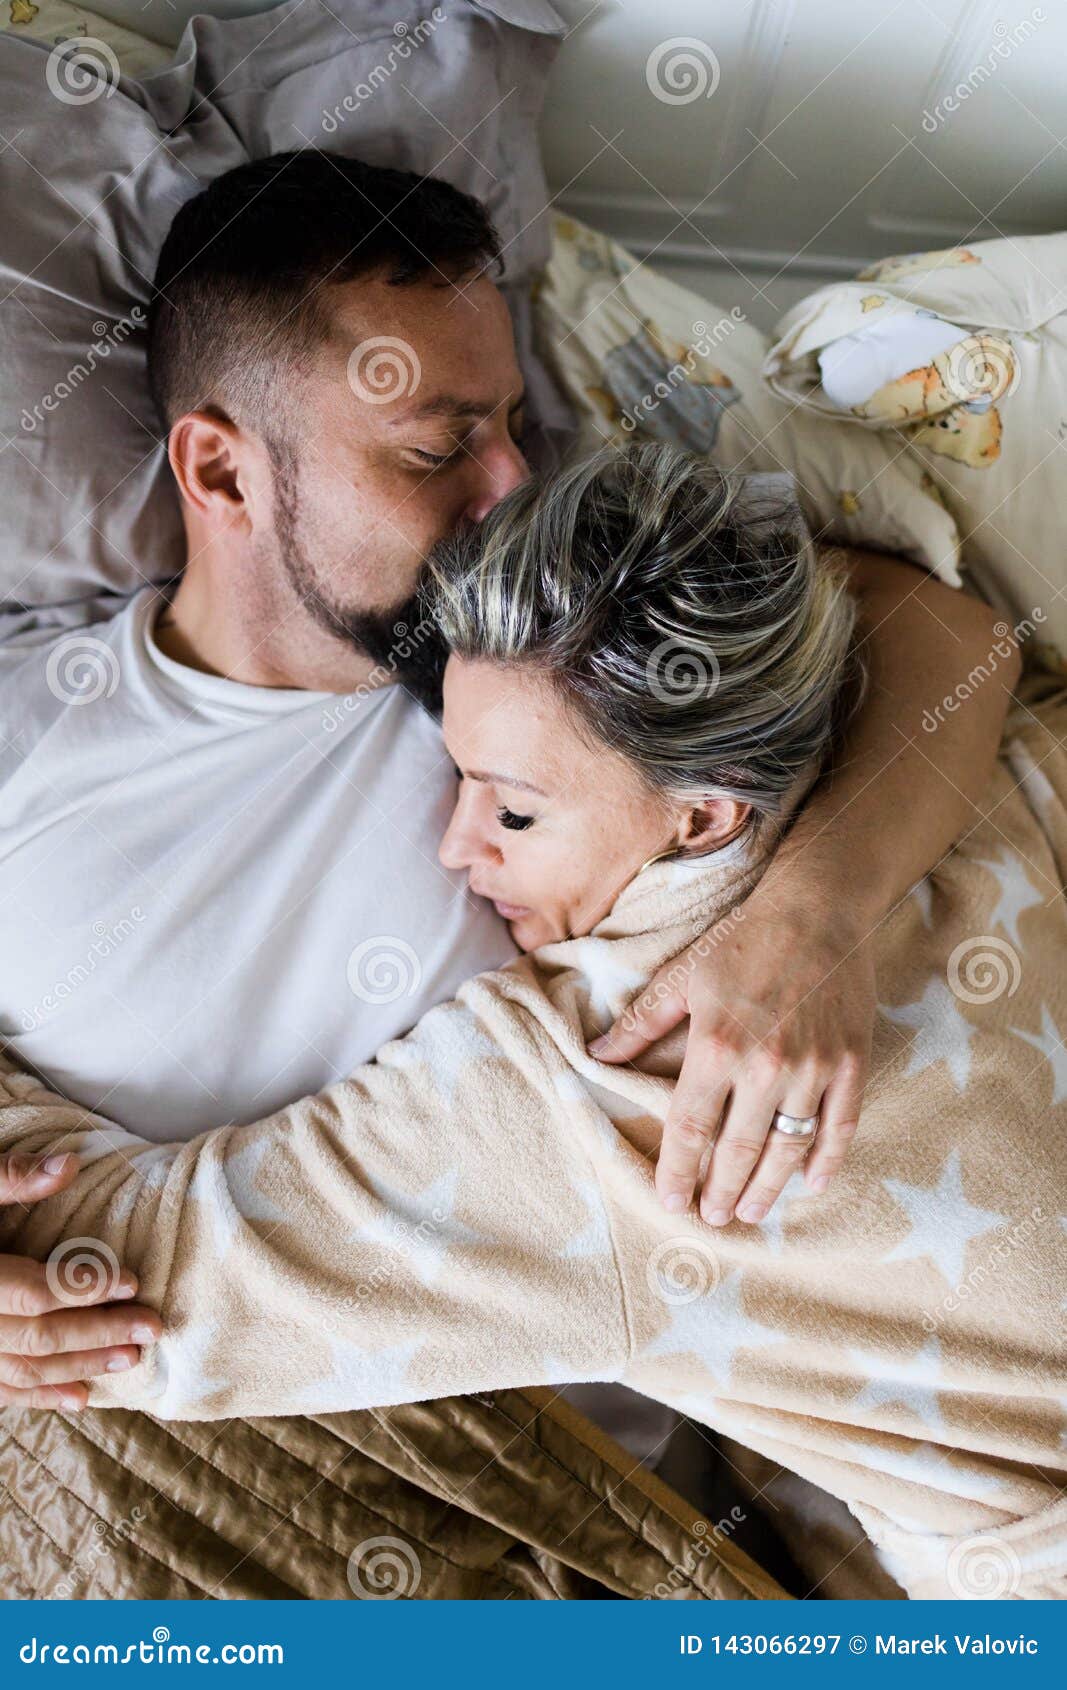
(712, 824)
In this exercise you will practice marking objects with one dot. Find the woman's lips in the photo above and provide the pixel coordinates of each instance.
(510, 912)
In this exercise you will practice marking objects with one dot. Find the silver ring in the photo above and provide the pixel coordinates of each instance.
(795, 1127)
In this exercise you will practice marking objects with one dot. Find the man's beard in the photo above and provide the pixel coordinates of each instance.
(401, 641)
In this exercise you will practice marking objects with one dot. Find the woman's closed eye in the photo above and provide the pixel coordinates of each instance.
(508, 818)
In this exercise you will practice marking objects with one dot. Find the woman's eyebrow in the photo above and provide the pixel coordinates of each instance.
(505, 780)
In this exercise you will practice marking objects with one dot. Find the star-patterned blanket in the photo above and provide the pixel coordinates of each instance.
(475, 1210)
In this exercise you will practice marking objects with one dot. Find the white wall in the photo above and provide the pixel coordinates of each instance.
(820, 139)
(812, 150)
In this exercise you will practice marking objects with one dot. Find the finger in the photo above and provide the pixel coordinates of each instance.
(27, 1290)
(658, 1010)
(68, 1330)
(838, 1121)
(701, 1095)
(782, 1156)
(27, 1179)
(71, 1397)
(783, 1152)
(690, 1127)
(27, 1372)
(736, 1151)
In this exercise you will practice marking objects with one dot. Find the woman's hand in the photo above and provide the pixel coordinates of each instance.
(781, 1004)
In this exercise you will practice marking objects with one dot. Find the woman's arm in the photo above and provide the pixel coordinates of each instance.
(405, 1234)
(783, 1003)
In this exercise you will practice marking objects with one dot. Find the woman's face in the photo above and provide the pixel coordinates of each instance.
(550, 826)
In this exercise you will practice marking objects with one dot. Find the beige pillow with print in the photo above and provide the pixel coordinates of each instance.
(54, 21)
(639, 355)
(984, 419)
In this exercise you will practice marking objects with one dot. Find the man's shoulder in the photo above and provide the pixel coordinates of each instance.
(29, 629)
(51, 658)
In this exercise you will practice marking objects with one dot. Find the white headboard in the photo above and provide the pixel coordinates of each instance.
(777, 134)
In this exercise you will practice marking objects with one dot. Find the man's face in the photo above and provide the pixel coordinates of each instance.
(407, 430)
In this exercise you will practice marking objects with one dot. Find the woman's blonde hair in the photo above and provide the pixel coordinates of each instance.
(682, 612)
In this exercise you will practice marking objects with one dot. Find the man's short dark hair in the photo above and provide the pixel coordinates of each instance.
(242, 282)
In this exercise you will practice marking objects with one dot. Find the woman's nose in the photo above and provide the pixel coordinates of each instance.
(464, 843)
(506, 469)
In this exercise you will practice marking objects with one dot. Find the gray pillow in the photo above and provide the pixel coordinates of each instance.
(96, 165)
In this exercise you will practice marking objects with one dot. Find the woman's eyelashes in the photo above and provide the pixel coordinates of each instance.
(508, 818)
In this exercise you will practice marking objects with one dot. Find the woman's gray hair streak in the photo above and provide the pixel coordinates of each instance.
(682, 611)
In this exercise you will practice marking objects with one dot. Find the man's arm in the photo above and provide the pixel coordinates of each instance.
(783, 1005)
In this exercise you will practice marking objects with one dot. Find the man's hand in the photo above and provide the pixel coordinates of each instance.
(783, 1006)
(50, 1344)
(781, 1009)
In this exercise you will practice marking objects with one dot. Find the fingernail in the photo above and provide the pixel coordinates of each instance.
(819, 1185)
(716, 1217)
(126, 1288)
(119, 1364)
(54, 1164)
(752, 1212)
(73, 1403)
(599, 1046)
(143, 1335)
(674, 1203)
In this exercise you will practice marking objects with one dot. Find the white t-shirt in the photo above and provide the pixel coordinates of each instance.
(215, 898)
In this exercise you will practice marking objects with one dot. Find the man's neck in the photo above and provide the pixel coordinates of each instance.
(212, 624)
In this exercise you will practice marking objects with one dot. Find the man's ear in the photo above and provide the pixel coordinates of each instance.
(206, 452)
(711, 824)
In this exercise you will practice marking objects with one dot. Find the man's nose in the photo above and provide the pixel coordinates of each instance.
(507, 469)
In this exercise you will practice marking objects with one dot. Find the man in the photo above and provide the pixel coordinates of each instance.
(245, 796)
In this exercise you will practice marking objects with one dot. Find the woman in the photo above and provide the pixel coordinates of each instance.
(646, 671)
